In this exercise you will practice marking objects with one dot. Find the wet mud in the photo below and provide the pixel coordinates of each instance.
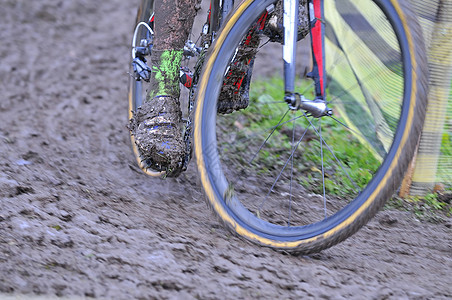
(79, 220)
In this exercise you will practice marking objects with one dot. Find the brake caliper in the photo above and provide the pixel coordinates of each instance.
(141, 70)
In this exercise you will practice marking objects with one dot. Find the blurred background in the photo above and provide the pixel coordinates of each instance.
(432, 168)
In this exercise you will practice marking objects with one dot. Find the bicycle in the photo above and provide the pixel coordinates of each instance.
(277, 173)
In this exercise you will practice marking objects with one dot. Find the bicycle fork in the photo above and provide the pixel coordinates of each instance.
(317, 107)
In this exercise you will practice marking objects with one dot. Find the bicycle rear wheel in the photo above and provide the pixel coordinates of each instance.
(137, 86)
(194, 53)
(283, 179)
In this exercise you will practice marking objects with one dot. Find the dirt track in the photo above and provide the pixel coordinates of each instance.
(78, 219)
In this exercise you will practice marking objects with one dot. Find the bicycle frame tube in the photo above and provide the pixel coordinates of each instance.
(214, 15)
(227, 7)
(316, 107)
(316, 17)
(219, 9)
(290, 23)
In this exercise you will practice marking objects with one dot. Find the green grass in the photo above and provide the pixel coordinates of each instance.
(264, 113)
(431, 208)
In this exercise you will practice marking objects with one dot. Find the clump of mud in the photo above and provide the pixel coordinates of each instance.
(155, 126)
(235, 89)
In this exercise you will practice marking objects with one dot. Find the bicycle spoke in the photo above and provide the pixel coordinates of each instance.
(332, 153)
(347, 127)
(271, 133)
(284, 167)
(291, 173)
(343, 124)
(275, 102)
(323, 169)
(262, 131)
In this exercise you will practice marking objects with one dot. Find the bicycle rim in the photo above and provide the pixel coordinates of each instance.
(286, 180)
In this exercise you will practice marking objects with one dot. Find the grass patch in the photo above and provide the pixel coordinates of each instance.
(265, 112)
(434, 208)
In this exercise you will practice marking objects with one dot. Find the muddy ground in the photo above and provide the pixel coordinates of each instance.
(79, 220)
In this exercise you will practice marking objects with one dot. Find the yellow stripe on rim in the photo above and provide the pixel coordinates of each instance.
(198, 141)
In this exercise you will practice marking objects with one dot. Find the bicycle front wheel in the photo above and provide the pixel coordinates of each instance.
(284, 179)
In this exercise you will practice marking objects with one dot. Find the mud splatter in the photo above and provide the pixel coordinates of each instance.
(156, 127)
